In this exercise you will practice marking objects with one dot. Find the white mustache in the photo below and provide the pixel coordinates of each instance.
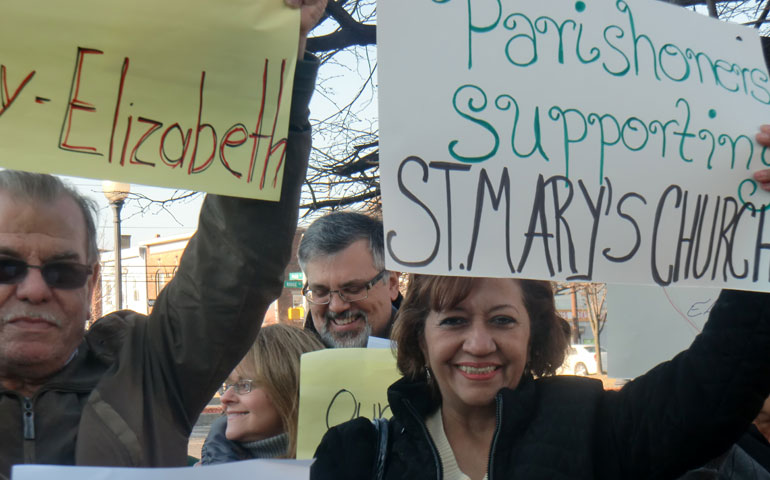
(14, 313)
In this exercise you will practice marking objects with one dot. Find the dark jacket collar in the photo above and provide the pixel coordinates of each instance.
(412, 401)
(415, 393)
(517, 404)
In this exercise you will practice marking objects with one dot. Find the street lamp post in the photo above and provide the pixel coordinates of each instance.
(116, 194)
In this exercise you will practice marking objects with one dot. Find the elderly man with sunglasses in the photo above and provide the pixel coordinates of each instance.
(128, 391)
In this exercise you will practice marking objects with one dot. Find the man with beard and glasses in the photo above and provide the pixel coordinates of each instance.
(350, 293)
(128, 391)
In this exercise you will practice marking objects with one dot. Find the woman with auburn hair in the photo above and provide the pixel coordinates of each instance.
(261, 399)
(478, 399)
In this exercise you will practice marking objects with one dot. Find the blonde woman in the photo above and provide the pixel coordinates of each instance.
(261, 399)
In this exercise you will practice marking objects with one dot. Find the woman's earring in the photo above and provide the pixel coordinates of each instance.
(428, 377)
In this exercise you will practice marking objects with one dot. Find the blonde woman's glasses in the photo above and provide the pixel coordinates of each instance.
(242, 387)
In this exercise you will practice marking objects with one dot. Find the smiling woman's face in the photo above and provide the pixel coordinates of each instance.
(480, 345)
(250, 416)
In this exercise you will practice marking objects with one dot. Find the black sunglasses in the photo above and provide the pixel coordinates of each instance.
(61, 275)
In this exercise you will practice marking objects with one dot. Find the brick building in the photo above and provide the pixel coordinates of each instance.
(147, 268)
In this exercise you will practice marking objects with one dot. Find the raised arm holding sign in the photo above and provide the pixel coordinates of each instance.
(128, 391)
(478, 396)
(570, 140)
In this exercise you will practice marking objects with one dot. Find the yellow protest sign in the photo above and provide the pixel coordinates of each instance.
(340, 384)
(185, 93)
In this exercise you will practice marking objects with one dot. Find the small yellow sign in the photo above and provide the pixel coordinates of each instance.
(183, 93)
(296, 313)
(340, 384)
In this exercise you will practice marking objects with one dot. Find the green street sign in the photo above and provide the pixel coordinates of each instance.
(296, 276)
(292, 284)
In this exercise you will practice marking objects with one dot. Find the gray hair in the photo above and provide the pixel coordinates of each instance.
(336, 231)
(44, 188)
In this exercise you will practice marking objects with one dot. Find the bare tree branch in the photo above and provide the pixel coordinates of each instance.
(336, 203)
(763, 16)
(147, 204)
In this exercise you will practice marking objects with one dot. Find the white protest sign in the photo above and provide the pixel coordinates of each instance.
(377, 342)
(572, 140)
(262, 469)
(652, 324)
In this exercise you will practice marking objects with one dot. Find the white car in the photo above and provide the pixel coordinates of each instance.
(592, 349)
(581, 360)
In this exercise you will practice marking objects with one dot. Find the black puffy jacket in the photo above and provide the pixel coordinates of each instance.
(673, 418)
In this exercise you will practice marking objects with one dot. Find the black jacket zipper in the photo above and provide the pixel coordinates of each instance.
(28, 419)
(498, 423)
(424, 429)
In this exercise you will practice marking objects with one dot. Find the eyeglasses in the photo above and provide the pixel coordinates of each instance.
(242, 387)
(61, 275)
(349, 293)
